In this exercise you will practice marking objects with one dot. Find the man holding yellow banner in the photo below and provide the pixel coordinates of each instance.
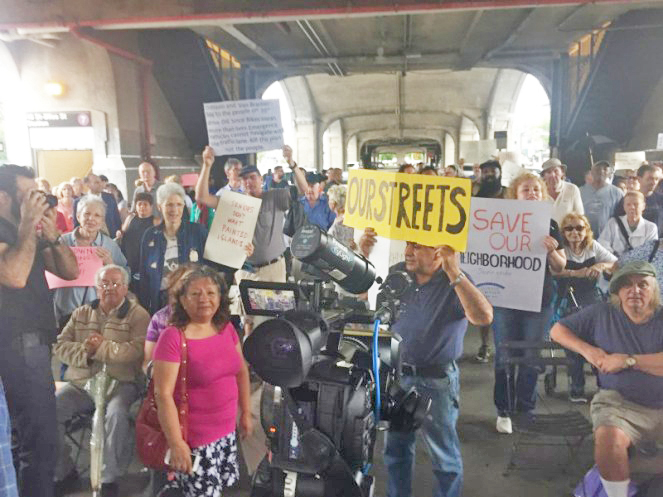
(431, 213)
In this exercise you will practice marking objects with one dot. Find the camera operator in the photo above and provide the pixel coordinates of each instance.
(433, 318)
(29, 244)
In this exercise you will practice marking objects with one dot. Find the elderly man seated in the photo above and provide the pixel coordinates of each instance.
(623, 339)
(107, 332)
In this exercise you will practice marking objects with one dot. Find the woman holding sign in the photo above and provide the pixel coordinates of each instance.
(512, 324)
(91, 214)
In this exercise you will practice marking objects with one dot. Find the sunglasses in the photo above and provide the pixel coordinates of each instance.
(579, 228)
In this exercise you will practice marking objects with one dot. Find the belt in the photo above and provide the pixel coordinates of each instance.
(434, 371)
(258, 266)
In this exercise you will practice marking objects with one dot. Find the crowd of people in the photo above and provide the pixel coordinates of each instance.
(158, 306)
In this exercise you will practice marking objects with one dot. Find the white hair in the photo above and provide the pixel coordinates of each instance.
(88, 200)
(230, 163)
(111, 267)
(165, 191)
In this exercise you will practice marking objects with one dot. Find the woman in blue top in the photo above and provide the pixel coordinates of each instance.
(166, 246)
(91, 214)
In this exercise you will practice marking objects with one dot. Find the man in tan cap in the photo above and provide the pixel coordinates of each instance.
(622, 339)
(565, 196)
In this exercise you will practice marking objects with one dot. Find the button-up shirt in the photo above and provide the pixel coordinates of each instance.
(320, 214)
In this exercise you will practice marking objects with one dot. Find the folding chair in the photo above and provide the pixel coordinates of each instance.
(568, 429)
(77, 430)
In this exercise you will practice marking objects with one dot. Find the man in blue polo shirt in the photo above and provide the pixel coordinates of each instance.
(316, 204)
(433, 318)
(623, 340)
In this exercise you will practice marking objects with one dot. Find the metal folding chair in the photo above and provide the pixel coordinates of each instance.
(568, 429)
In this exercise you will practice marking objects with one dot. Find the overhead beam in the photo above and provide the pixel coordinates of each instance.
(249, 43)
(515, 33)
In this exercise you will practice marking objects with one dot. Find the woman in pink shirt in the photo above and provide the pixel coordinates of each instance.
(217, 378)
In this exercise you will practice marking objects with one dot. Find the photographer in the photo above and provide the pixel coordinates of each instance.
(29, 244)
(433, 319)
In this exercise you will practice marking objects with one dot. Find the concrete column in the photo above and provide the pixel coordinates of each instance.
(352, 150)
(308, 147)
(333, 153)
(450, 150)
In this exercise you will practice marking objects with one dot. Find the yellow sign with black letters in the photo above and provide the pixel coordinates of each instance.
(430, 210)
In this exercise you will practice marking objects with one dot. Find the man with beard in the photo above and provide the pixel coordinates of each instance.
(491, 180)
(29, 244)
(490, 186)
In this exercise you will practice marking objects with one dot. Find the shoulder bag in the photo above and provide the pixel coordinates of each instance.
(622, 230)
(150, 440)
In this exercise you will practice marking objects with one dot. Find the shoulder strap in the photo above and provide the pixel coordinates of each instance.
(654, 250)
(622, 230)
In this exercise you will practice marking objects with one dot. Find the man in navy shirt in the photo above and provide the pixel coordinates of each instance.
(623, 340)
(433, 319)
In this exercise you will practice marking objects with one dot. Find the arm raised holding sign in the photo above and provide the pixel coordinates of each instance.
(202, 185)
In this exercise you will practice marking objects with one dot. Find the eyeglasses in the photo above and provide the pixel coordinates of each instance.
(579, 228)
(105, 285)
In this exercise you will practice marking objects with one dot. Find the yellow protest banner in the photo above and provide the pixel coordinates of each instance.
(431, 210)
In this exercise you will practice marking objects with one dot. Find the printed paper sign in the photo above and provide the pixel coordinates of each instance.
(431, 210)
(232, 228)
(243, 126)
(88, 265)
(505, 254)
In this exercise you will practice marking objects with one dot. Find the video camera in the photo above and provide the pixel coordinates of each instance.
(322, 401)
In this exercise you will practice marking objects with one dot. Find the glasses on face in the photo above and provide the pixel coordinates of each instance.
(579, 228)
(105, 285)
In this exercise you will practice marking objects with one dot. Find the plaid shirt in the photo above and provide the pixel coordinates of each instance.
(7, 472)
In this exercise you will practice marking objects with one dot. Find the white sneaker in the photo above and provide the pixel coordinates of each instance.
(503, 425)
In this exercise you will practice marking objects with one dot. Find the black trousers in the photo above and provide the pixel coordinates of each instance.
(26, 374)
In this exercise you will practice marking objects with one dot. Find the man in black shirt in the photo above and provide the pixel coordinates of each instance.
(29, 244)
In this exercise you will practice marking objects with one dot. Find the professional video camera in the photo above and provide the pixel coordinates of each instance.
(322, 402)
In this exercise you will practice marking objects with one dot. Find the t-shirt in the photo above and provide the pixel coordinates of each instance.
(605, 326)
(211, 383)
(158, 323)
(268, 239)
(599, 204)
(431, 322)
(567, 201)
(320, 214)
(27, 309)
(170, 260)
(584, 287)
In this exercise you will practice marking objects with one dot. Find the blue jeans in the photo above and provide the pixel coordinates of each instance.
(511, 324)
(7, 471)
(439, 432)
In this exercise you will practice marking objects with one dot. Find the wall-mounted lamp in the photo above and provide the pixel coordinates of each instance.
(54, 89)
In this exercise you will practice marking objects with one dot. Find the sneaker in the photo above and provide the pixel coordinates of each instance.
(484, 354)
(503, 425)
(578, 397)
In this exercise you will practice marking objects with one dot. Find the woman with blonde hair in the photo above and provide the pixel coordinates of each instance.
(513, 324)
(586, 260)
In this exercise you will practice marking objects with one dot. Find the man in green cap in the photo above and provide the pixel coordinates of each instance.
(623, 339)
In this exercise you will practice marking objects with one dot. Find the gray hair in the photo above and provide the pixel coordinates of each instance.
(111, 267)
(655, 302)
(88, 200)
(168, 189)
(230, 163)
(337, 194)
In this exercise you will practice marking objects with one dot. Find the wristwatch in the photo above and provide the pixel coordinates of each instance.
(630, 361)
(458, 279)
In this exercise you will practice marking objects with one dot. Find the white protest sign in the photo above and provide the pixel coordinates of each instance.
(505, 254)
(232, 228)
(243, 126)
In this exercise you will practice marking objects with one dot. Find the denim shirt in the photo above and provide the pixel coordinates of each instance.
(320, 214)
(191, 240)
(68, 299)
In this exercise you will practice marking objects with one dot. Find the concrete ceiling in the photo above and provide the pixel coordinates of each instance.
(398, 68)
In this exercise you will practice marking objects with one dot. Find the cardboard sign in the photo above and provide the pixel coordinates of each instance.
(431, 210)
(244, 126)
(505, 253)
(88, 265)
(232, 228)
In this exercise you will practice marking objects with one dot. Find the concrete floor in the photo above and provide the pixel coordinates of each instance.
(485, 452)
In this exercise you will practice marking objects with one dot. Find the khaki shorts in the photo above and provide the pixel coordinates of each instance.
(640, 423)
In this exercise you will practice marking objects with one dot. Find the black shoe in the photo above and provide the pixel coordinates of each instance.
(578, 397)
(67, 485)
(109, 490)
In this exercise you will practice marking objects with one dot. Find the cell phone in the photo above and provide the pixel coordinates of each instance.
(195, 460)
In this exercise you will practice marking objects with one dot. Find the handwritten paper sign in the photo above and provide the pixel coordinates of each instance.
(232, 228)
(243, 126)
(431, 210)
(505, 254)
(88, 265)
